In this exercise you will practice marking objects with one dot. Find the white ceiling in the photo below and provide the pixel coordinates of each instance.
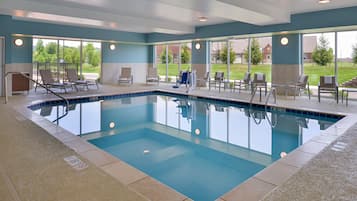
(163, 16)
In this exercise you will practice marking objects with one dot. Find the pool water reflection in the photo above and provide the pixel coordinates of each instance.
(194, 146)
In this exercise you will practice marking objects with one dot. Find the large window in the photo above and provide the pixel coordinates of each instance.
(318, 55)
(218, 57)
(170, 59)
(261, 52)
(59, 55)
(173, 62)
(347, 57)
(238, 58)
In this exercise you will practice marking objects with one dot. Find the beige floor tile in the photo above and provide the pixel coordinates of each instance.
(98, 157)
(124, 172)
(277, 173)
(312, 147)
(297, 158)
(155, 190)
(251, 190)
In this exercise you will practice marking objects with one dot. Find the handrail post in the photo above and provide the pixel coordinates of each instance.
(5, 90)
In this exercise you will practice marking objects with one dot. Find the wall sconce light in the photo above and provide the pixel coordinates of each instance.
(112, 47)
(198, 46)
(284, 41)
(19, 42)
(111, 125)
(197, 131)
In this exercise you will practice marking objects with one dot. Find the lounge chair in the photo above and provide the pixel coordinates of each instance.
(218, 79)
(203, 81)
(126, 76)
(328, 85)
(242, 83)
(302, 84)
(259, 80)
(152, 76)
(48, 81)
(73, 77)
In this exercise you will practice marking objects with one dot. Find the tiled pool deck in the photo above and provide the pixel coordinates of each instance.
(32, 165)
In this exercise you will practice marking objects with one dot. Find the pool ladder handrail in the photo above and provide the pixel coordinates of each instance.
(41, 85)
(253, 95)
(272, 91)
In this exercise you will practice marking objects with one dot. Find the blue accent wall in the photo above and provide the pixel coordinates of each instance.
(201, 56)
(286, 54)
(22, 54)
(313, 20)
(125, 53)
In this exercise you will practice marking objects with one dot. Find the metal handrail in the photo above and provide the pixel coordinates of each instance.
(272, 90)
(41, 85)
(253, 95)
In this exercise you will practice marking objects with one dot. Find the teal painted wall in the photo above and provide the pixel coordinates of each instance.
(312, 20)
(202, 55)
(22, 54)
(125, 53)
(286, 54)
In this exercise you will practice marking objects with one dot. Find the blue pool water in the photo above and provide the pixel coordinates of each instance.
(201, 148)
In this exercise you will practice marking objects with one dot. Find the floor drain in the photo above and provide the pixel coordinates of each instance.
(339, 146)
(75, 163)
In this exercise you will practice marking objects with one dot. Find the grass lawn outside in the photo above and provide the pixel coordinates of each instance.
(346, 71)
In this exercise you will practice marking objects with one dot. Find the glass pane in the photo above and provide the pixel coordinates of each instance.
(186, 52)
(161, 61)
(44, 56)
(347, 57)
(91, 60)
(218, 58)
(319, 51)
(239, 58)
(173, 59)
(261, 52)
(69, 57)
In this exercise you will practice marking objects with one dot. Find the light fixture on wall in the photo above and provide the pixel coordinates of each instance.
(202, 19)
(324, 1)
(112, 46)
(197, 46)
(284, 41)
(19, 42)
(111, 125)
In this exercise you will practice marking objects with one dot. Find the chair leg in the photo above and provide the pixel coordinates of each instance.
(318, 93)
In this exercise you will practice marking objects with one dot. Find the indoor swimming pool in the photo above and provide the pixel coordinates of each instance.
(202, 148)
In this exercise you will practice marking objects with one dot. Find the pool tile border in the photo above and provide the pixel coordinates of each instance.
(292, 162)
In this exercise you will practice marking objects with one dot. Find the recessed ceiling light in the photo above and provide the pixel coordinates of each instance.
(202, 19)
(324, 1)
